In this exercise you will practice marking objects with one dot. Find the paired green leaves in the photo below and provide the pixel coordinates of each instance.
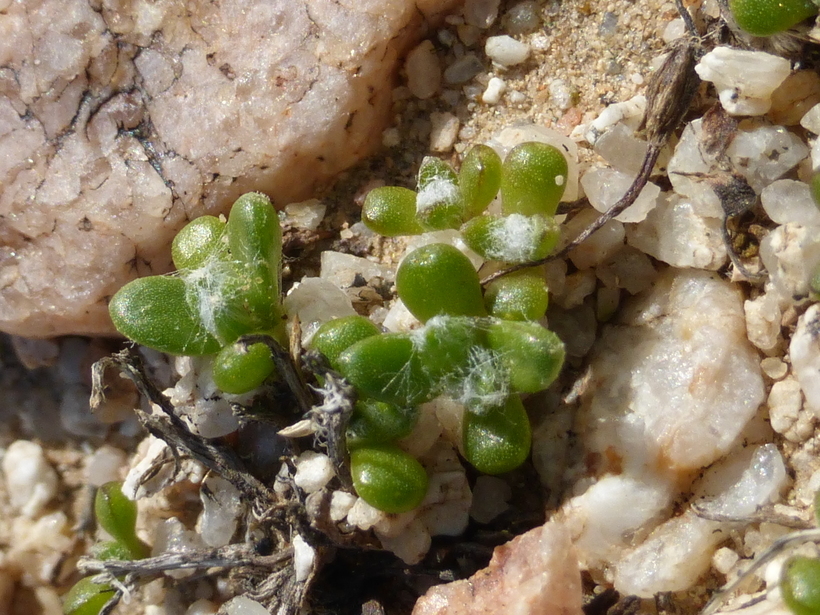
(227, 285)
(532, 180)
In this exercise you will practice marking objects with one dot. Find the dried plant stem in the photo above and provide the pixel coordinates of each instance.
(231, 556)
(168, 426)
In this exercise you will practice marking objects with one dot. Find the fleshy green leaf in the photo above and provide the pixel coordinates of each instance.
(439, 204)
(117, 515)
(479, 179)
(154, 312)
(497, 439)
(521, 295)
(87, 597)
(237, 369)
(512, 239)
(532, 354)
(255, 241)
(375, 422)
(387, 478)
(387, 368)
(800, 585)
(767, 17)
(337, 335)
(534, 176)
(197, 241)
(438, 279)
(391, 211)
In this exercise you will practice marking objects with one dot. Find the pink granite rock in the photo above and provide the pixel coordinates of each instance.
(122, 119)
(534, 574)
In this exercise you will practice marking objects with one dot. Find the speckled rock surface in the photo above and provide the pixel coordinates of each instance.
(120, 121)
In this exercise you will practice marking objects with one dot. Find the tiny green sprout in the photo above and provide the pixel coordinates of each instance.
(388, 368)
(532, 354)
(388, 478)
(512, 239)
(117, 515)
(391, 211)
(534, 176)
(522, 295)
(336, 336)
(439, 279)
(800, 585)
(87, 597)
(479, 179)
(238, 370)
(767, 17)
(439, 203)
(154, 312)
(375, 422)
(497, 439)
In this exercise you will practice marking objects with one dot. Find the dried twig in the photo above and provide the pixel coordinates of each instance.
(231, 556)
(168, 426)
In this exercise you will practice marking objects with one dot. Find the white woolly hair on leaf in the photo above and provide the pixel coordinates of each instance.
(206, 291)
(514, 240)
(440, 191)
(486, 384)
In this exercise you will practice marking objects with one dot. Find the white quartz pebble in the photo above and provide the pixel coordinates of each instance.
(221, 506)
(495, 89)
(744, 79)
(313, 471)
(304, 558)
(244, 606)
(675, 233)
(506, 51)
(788, 200)
(31, 482)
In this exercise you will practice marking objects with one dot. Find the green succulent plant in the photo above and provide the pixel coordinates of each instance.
(484, 348)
